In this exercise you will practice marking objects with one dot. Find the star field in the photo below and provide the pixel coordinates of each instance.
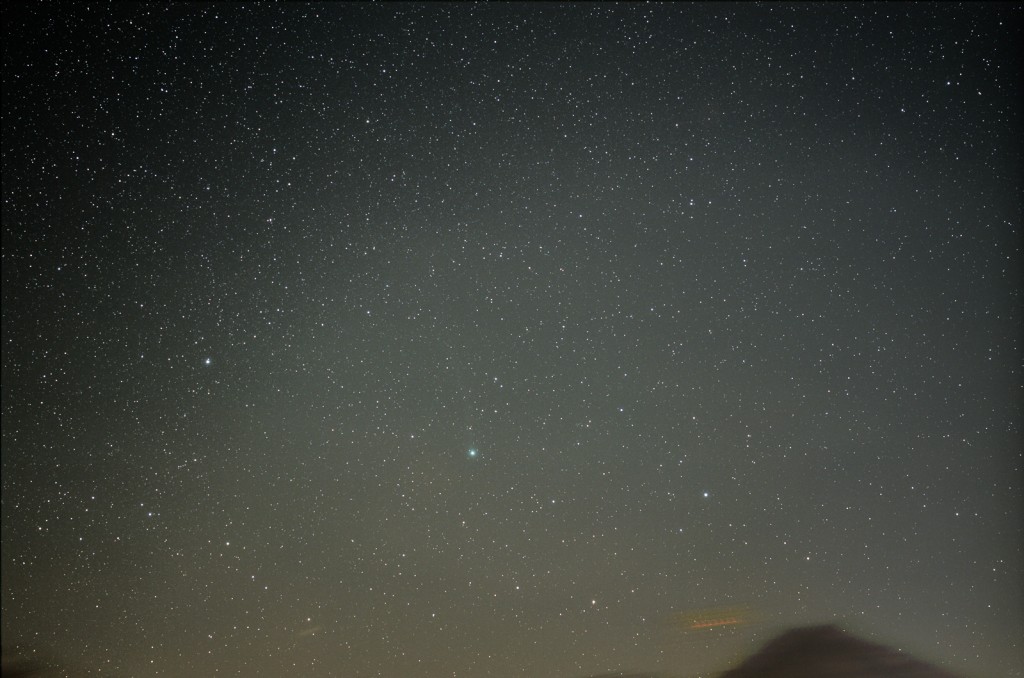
(426, 340)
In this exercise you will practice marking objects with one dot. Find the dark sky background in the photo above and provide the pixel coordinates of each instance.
(486, 340)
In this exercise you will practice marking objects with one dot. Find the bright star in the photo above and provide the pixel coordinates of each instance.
(207, 361)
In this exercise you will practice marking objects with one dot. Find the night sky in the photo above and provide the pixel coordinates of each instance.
(422, 340)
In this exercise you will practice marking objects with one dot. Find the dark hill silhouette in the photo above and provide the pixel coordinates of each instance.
(829, 652)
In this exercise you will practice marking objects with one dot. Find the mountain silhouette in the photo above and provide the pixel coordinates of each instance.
(827, 651)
